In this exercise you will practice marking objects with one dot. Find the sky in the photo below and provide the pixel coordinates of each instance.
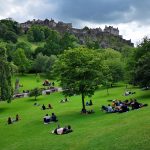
(130, 16)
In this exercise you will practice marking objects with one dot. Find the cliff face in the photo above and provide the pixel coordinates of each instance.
(109, 37)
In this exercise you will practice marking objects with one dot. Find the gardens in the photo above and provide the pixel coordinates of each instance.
(63, 92)
(95, 130)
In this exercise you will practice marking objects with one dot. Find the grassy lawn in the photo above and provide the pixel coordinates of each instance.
(98, 131)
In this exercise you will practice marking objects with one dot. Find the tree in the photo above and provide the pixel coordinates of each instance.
(39, 64)
(20, 59)
(52, 46)
(139, 64)
(6, 90)
(35, 92)
(26, 47)
(142, 71)
(35, 34)
(10, 36)
(68, 41)
(112, 59)
(80, 72)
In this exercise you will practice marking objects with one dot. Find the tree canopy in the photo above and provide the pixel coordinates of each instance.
(80, 71)
(6, 90)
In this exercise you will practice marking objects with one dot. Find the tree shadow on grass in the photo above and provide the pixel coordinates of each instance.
(3, 109)
(143, 97)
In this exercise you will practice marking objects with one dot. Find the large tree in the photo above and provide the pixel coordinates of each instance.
(141, 63)
(20, 59)
(80, 72)
(5, 76)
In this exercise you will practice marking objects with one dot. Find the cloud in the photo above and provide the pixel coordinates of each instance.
(27, 9)
(131, 16)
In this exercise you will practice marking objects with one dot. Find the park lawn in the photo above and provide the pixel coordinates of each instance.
(98, 131)
(29, 81)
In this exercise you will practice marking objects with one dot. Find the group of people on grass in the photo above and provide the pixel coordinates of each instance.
(11, 120)
(47, 118)
(44, 107)
(122, 106)
(85, 111)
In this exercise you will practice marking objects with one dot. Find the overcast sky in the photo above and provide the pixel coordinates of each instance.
(132, 17)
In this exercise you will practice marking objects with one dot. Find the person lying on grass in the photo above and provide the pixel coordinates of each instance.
(61, 130)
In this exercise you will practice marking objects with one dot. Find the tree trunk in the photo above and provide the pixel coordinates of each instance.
(83, 104)
(107, 91)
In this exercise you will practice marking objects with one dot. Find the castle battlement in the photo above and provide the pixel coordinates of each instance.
(81, 34)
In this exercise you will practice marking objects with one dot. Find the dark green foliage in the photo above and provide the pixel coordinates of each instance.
(139, 64)
(20, 59)
(68, 41)
(10, 36)
(10, 48)
(142, 71)
(5, 76)
(26, 48)
(43, 63)
(79, 71)
(35, 34)
(9, 30)
(92, 44)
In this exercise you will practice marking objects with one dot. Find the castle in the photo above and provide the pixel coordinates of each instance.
(96, 34)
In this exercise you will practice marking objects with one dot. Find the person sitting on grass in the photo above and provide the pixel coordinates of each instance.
(49, 106)
(123, 108)
(83, 111)
(109, 109)
(64, 100)
(9, 120)
(43, 107)
(90, 111)
(17, 118)
(60, 131)
(89, 103)
(54, 118)
(46, 119)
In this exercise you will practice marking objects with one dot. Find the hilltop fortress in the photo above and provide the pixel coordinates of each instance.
(104, 37)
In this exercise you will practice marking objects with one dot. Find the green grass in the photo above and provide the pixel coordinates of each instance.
(33, 45)
(98, 131)
(30, 81)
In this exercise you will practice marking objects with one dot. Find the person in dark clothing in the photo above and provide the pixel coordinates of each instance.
(49, 106)
(90, 103)
(135, 105)
(43, 107)
(54, 118)
(9, 120)
(17, 117)
(83, 111)
(123, 108)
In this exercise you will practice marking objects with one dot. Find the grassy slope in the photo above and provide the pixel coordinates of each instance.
(99, 131)
(33, 45)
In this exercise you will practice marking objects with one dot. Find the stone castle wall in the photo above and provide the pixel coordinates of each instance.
(81, 34)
